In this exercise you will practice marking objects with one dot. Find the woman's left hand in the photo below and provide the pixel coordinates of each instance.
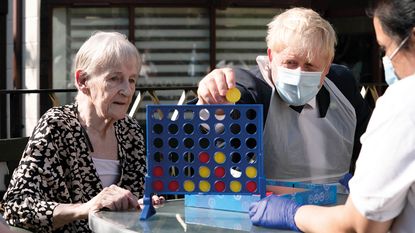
(113, 198)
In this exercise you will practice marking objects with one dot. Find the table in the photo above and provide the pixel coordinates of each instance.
(173, 217)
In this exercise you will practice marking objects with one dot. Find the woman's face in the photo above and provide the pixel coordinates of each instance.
(112, 90)
(402, 61)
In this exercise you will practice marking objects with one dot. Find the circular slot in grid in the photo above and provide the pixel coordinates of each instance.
(251, 114)
(235, 128)
(220, 143)
(173, 171)
(188, 128)
(189, 171)
(251, 143)
(173, 128)
(251, 128)
(235, 157)
(188, 115)
(158, 156)
(188, 143)
(220, 114)
(235, 143)
(157, 128)
(251, 157)
(204, 143)
(173, 143)
(204, 114)
(158, 142)
(235, 114)
(173, 157)
(219, 128)
(157, 114)
(188, 157)
(204, 128)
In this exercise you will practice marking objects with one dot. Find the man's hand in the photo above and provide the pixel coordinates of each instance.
(274, 212)
(212, 88)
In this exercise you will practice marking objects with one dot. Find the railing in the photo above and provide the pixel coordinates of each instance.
(12, 122)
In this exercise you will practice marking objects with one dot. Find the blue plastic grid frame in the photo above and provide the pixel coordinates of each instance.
(188, 144)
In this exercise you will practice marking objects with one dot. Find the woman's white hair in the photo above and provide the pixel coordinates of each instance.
(104, 50)
(304, 31)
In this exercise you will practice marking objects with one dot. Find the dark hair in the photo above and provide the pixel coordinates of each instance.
(397, 17)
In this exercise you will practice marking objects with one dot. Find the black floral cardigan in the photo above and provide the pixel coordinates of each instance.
(56, 168)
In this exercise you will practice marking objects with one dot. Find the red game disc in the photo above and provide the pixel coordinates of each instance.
(158, 171)
(158, 185)
(251, 186)
(174, 186)
(204, 157)
(220, 186)
(219, 172)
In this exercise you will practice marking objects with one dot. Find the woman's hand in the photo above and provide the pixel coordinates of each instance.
(112, 198)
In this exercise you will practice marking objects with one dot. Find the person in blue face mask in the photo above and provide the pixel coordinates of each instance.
(313, 113)
(382, 190)
(390, 75)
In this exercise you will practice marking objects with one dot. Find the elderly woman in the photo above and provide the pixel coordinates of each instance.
(85, 156)
(382, 191)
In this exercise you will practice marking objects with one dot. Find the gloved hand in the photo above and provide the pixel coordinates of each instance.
(345, 181)
(274, 212)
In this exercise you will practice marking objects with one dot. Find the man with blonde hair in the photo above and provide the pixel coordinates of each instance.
(312, 123)
(382, 197)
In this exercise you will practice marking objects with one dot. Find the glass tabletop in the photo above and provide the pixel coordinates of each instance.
(173, 217)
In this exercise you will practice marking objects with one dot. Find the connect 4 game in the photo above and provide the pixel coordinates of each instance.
(203, 149)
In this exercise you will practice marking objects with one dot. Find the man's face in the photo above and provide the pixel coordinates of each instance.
(291, 59)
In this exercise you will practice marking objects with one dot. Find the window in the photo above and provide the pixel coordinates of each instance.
(240, 35)
(174, 44)
(177, 45)
(71, 27)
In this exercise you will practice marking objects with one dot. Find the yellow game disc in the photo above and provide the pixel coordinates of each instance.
(204, 171)
(233, 95)
(204, 186)
(189, 186)
(219, 157)
(251, 172)
(235, 186)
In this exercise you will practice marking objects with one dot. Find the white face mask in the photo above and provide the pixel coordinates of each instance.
(297, 87)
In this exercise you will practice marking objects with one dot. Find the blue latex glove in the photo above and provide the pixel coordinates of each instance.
(345, 180)
(274, 212)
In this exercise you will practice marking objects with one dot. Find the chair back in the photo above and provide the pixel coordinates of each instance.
(11, 150)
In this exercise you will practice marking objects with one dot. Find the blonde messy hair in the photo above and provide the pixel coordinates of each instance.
(304, 31)
(104, 50)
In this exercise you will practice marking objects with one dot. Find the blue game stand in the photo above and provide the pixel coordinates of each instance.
(203, 149)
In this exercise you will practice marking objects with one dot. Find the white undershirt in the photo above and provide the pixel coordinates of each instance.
(108, 170)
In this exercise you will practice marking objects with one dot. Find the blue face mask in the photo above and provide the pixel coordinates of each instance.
(390, 75)
(297, 87)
